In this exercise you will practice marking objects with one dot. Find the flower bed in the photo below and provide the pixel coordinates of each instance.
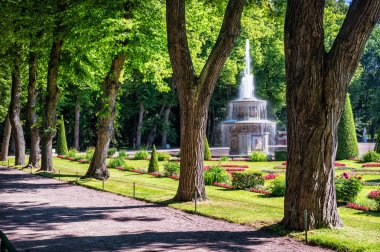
(234, 165)
(233, 169)
(272, 171)
(71, 158)
(339, 164)
(261, 191)
(371, 165)
(280, 167)
(270, 176)
(61, 156)
(206, 167)
(222, 185)
(82, 161)
(240, 159)
(120, 168)
(176, 177)
(284, 163)
(156, 174)
(374, 194)
(140, 171)
(358, 207)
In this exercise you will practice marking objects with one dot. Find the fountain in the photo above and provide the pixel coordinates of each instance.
(247, 128)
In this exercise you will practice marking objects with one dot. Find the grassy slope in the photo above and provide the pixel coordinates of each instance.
(361, 231)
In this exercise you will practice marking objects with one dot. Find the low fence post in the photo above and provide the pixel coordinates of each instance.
(76, 178)
(59, 174)
(305, 224)
(103, 184)
(195, 201)
(134, 189)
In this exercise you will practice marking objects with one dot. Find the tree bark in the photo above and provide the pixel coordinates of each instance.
(164, 141)
(76, 123)
(111, 85)
(6, 138)
(316, 90)
(194, 92)
(14, 112)
(50, 113)
(139, 126)
(32, 119)
(153, 131)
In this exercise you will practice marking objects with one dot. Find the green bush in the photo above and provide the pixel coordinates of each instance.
(72, 153)
(242, 180)
(163, 156)
(347, 189)
(277, 187)
(141, 155)
(89, 154)
(347, 140)
(61, 138)
(153, 163)
(215, 174)
(207, 153)
(371, 156)
(111, 152)
(377, 146)
(123, 154)
(258, 156)
(281, 155)
(116, 162)
(224, 158)
(171, 168)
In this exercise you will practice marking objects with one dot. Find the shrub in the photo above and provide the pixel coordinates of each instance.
(116, 162)
(163, 156)
(258, 156)
(111, 152)
(377, 146)
(171, 168)
(224, 158)
(89, 154)
(247, 180)
(347, 140)
(277, 187)
(375, 195)
(207, 154)
(153, 163)
(141, 155)
(215, 174)
(61, 139)
(347, 188)
(371, 156)
(123, 154)
(72, 153)
(281, 155)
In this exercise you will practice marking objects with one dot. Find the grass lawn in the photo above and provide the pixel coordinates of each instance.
(360, 233)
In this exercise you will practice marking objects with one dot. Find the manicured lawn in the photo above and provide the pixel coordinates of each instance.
(361, 231)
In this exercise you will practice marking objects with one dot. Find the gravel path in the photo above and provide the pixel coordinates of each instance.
(41, 214)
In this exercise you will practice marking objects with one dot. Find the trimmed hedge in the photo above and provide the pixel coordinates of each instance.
(281, 155)
(207, 155)
(61, 139)
(241, 180)
(347, 140)
(258, 156)
(153, 163)
(171, 168)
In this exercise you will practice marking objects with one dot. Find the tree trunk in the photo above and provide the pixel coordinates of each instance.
(32, 119)
(6, 138)
(316, 90)
(194, 92)
(50, 113)
(76, 123)
(139, 126)
(164, 141)
(14, 113)
(111, 87)
(153, 131)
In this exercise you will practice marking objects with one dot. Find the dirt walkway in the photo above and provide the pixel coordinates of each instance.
(41, 214)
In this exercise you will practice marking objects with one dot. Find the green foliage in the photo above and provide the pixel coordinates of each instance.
(153, 163)
(224, 158)
(244, 180)
(163, 156)
(116, 162)
(141, 155)
(277, 187)
(72, 153)
(280, 155)
(61, 139)
(215, 174)
(371, 156)
(207, 152)
(347, 141)
(111, 152)
(171, 168)
(377, 146)
(89, 154)
(123, 154)
(347, 189)
(258, 156)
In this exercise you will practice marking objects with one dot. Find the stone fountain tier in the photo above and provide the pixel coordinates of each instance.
(248, 109)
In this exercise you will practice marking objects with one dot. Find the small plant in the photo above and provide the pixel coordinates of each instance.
(280, 155)
(153, 163)
(89, 154)
(224, 158)
(347, 188)
(72, 153)
(270, 176)
(171, 168)
(141, 155)
(215, 174)
(163, 156)
(375, 195)
(277, 187)
(258, 156)
(123, 154)
(247, 180)
(111, 152)
(371, 156)
(116, 162)
(207, 154)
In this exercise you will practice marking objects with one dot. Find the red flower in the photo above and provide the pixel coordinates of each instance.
(259, 191)
(358, 207)
(374, 194)
(222, 185)
(270, 176)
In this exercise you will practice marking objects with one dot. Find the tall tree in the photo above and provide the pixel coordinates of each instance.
(194, 92)
(76, 122)
(6, 138)
(317, 84)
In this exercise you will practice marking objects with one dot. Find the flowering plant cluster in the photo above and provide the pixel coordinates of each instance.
(61, 156)
(358, 207)
(120, 168)
(234, 169)
(206, 167)
(347, 175)
(83, 161)
(371, 165)
(71, 158)
(156, 174)
(270, 176)
(262, 191)
(339, 164)
(175, 177)
(234, 165)
(140, 171)
(374, 194)
(284, 163)
(222, 185)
